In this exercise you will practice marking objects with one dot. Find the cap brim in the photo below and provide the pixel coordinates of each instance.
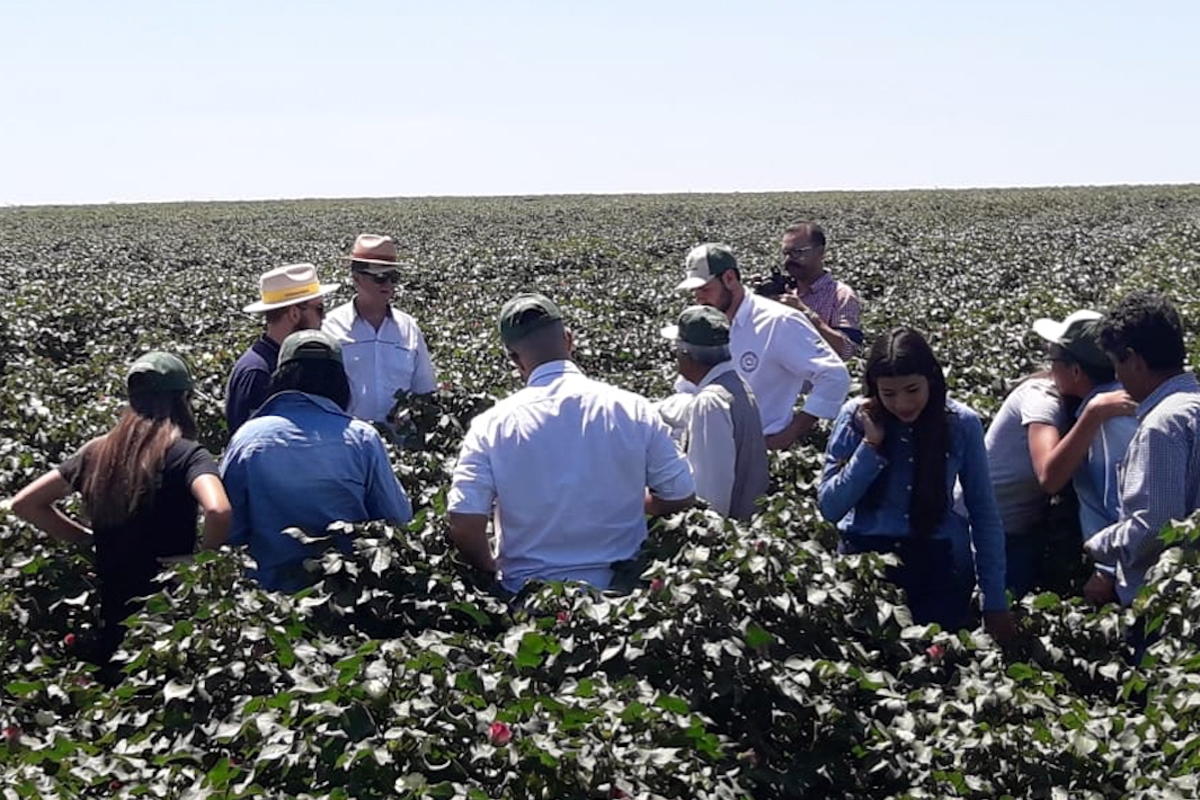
(670, 332)
(1050, 330)
(259, 307)
(689, 283)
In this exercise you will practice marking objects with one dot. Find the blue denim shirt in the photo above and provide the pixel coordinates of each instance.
(852, 467)
(1095, 481)
(302, 462)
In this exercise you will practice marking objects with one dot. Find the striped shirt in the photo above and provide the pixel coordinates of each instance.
(1159, 479)
(836, 303)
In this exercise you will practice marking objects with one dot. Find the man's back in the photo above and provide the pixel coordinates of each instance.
(566, 461)
(751, 473)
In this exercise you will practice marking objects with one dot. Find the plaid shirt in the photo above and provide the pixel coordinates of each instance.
(1160, 482)
(836, 303)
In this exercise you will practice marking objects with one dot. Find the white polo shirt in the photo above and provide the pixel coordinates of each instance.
(564, 465)
(780, 354)
(378, 362)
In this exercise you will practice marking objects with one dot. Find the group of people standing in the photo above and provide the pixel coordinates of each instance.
(566, 470)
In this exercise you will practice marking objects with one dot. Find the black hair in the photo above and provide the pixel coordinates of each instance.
(900, 352)
(313, 376)
(1148, 324)
(1096, 374)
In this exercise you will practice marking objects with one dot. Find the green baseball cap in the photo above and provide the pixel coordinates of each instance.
(158, 372)
(705, 262)
(309, 346)
(704, 326)
(1077, 335)
(525, 314)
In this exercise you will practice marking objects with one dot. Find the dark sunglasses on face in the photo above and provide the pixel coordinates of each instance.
(392, 277)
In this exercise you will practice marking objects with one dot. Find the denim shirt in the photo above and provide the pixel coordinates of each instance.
(1095, 481)
(852, 467)
(302, 462)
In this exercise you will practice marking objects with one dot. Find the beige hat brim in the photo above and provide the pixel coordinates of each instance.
(259, 306)
(381, 264)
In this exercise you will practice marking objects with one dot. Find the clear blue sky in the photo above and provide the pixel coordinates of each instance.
(124, 101)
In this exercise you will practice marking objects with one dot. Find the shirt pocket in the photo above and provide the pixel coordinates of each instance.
(399, 363)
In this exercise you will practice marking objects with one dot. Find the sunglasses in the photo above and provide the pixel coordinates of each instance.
(392, 277)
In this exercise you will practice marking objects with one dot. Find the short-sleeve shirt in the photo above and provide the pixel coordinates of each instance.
(379, 362)
(1019, 495)
(127, 555)
(564, 465)
(249, 383)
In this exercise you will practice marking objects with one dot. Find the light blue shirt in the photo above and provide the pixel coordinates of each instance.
(1095, 481)
(852, 467)
(1160, 482)
(302, 462)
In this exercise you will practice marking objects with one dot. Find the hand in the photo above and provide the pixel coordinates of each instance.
(1100, 589)
(781, 441)
(790, 300)
(1107, 405)
(1001, 625)
(870, 416)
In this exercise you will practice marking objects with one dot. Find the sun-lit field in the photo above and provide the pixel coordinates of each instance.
(754, 664)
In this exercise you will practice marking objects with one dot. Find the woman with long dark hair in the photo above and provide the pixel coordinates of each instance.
(141, 484)
(890, 471)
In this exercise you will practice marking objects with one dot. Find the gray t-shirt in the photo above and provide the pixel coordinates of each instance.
(1021, 500)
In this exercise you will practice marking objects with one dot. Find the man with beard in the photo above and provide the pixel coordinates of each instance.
(382, 347)
(775, 348)
(830, 305)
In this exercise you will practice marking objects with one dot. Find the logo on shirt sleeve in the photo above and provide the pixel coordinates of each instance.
(749, 361)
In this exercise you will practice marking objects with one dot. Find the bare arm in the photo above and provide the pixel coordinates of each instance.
(801, 424)
(35, 504)
(218, 516)
(468, 532)
(1055, 458)
(658, 507)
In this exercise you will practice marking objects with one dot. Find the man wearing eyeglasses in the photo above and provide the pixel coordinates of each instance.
(831, 306)
(290, 299)
(382, 347)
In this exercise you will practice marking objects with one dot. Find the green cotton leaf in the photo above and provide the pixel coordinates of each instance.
(672, 704)
(471, 610)
(1020, 671)
(757, 637)
(23, 688)
(284, 653)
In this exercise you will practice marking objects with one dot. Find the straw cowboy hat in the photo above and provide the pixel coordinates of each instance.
(285, 286)
(373, 253)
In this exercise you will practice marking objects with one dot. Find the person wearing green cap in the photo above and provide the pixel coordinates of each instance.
(141, 485)
(303, 462)
(568, 467)
(721, 426)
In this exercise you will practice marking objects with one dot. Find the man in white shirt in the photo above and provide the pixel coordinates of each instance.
(383, 348)
(722, 429)
(568, 466)
(775, 348)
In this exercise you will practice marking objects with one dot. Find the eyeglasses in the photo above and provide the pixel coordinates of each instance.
(392, 277)
(796, 252)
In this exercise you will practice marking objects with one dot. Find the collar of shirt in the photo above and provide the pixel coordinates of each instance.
(391, 311)
(295, 399)
(744, 312)
(544, 373)
(1184, 382)
(1104, 387)
(714, 373)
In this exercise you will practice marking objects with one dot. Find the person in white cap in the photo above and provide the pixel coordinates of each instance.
(383, 348)
(775, 348)
(290, 299)
(1037, 442)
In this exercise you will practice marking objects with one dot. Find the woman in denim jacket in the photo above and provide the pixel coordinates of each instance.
(890, 471)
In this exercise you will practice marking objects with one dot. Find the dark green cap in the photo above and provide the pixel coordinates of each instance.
(704, 326)
(158, 372)
(309, 346)
(1077, 335)
(525, 314)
